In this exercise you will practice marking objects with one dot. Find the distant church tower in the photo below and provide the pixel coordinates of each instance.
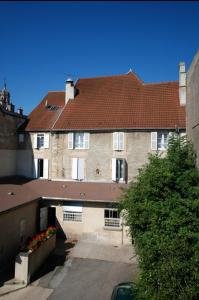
(5, 99)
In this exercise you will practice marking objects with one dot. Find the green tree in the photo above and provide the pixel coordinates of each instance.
(163, 216)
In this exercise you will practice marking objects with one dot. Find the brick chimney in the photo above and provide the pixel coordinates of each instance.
(69, 91)
(182, 84)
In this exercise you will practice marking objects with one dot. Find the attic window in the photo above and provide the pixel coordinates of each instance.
(51, 107)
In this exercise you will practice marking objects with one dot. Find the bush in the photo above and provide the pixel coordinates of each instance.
(163, 217)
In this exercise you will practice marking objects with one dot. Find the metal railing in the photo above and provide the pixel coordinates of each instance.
(112, 222)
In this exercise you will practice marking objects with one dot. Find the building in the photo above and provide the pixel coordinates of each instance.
(9, 122)
(93, 138)
(192, 106)
(19, 207)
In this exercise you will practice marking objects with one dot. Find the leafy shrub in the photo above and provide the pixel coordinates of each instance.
(163, 216)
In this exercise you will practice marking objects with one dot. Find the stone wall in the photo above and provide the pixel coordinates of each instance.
(16, 225)
(98, 156)
(8, 142)
(192, 107)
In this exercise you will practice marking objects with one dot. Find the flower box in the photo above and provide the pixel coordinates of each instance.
(27, 263)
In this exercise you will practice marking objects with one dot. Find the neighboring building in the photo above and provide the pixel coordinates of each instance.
(192, 106)
(18, 219)
(95, 136)
(9, 122)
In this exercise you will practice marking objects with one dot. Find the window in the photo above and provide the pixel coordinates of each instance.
(41, 140)
(72, 213)
(21, 138)
(40, 169)
(162, 141)
(118, 169)
(78, 140)
(159, 140)
(78, 168)
(118, 141)
(111, 218)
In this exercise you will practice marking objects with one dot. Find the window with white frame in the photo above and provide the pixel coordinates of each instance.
(118, 141)
(72, 213)
(159, 140)
(78, 140)
(40, 168)
(118, 169)
(41, 140)
(111, 218)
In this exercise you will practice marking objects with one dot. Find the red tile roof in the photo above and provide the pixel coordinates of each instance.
(113, 102)
(24, 191)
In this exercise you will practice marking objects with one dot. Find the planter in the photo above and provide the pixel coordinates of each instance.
(27, 263)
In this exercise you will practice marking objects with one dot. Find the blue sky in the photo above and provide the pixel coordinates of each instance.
(42, 42)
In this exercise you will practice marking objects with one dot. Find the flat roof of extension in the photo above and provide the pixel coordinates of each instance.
(17, 191)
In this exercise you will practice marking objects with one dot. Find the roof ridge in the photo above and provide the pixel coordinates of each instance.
(111, 76)
(161, 82)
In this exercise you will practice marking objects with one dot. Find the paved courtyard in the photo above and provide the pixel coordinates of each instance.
(89, 271)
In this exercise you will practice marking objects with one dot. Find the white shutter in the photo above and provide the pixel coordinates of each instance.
(80, 168)
(70, 140)
(115, 140)
(35, 141)
(46, 140)
(35, 168)
(74, 168)
(120, 140)
(86, 140)
(45, 173)
(153, 140)
(114, 169)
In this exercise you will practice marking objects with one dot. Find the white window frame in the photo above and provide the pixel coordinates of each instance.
(37, 140)
(110, 221)
(115, 165)
(118, 141)
(45, 168)
(155, 145)
(40, 137)
(84, 139)
(72, 213)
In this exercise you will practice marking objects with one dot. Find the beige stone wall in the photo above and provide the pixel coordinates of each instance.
(10, 224)
(92, 225)
(99, 155)
(192, 107)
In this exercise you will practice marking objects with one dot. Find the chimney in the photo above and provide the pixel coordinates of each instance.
(70, 90)
(182, 84)
(20, 111)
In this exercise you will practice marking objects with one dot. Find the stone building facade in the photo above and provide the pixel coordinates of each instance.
(100, 130)
(9, 123)
(192, 106)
